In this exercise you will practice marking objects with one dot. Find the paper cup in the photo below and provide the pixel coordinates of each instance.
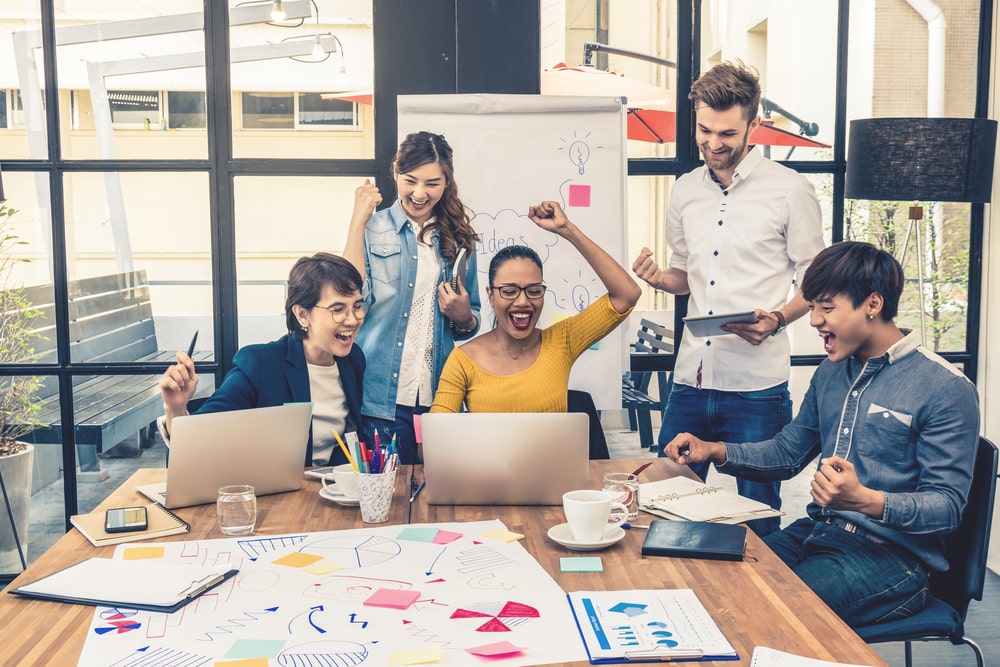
(375, 496)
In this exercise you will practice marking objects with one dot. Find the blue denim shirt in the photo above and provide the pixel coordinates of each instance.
(909, 423)
(390, 274)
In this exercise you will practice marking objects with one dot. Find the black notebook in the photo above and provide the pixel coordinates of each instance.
(695, 539)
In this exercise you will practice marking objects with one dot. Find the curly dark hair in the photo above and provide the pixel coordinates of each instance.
(451, 218)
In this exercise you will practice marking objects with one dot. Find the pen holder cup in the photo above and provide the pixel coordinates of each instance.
(375, 495)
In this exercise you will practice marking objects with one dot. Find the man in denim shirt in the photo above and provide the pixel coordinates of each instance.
(896, 427)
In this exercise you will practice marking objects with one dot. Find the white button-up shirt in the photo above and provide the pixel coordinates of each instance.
(741, 246)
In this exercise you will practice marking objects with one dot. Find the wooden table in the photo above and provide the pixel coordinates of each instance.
(756, 602)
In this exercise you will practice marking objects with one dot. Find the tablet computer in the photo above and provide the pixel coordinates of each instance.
(711, 325)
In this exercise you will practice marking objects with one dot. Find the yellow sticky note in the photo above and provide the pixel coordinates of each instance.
(501, 535)
(246, 662)
(418, 656)
(297, 559)
(142, 553)
(323, 567)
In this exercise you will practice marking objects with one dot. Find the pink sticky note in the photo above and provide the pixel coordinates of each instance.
(495, 650)
(392, 598)
(579, 195)
(416, 428)
(446, 537)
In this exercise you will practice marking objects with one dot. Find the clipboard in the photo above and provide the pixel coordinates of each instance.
(150, 585)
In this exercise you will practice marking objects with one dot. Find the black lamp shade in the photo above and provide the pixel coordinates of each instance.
(929, 159)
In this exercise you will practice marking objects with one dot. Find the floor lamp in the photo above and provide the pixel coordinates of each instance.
(921, 159)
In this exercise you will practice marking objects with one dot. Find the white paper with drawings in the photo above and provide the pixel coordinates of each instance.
(441, 585)
(513, 151)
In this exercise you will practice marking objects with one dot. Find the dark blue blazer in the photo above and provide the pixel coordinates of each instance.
(275, 373)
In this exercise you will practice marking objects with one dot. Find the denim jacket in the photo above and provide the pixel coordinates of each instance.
(390, 273)
(909, 423)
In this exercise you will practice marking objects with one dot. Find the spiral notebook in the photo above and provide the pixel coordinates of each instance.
(686, 499)
(160, 522)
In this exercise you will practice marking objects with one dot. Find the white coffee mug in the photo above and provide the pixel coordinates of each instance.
(590, 512)
(343, 481)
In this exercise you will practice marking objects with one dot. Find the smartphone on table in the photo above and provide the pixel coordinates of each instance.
(125, 519)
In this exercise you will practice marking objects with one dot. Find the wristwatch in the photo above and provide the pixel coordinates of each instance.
(781, 322)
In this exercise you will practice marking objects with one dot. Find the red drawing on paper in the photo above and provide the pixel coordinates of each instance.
(501, 616)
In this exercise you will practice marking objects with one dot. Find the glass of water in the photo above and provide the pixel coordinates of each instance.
(237, 507)
(624, 489)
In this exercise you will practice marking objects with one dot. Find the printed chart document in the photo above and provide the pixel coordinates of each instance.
(138, 584)
(687, 499)
(769, 657)
(647, 626)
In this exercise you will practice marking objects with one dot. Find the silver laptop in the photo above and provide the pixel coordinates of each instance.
(263, 447)
(484, 458)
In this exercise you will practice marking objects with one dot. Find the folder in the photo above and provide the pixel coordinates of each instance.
(695, 539)
(152, 585)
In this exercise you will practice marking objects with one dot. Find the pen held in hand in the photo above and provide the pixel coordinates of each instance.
(194, 339)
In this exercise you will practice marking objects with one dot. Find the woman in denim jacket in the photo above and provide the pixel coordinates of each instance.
(406, 254)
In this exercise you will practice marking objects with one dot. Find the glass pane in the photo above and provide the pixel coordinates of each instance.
(777, 38)
(19, 30)
(647, 228)
(642, 29)
(186, 110)
(306, 79)
(313, 217)
(140, 264)
(119, 64)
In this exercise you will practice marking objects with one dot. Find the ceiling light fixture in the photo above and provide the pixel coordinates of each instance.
(278, 11)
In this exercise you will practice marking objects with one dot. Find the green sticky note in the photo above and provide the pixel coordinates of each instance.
(581, 564)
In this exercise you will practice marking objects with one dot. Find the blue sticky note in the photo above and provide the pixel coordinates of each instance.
(415, 534)
(581, 564)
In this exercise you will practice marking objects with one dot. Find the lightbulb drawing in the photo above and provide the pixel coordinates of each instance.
(579, 153)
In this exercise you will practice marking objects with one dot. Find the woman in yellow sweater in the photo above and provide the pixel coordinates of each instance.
(517, 367)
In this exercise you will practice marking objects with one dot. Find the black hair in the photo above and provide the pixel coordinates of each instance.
(512, 252)
(308, 277)
(855, 270)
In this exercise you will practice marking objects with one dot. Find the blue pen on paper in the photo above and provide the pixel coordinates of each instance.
(194, 339)
(417, 492)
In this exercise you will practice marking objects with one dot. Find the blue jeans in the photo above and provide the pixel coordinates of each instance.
(731, 416)
(402, 428)
(862, 581)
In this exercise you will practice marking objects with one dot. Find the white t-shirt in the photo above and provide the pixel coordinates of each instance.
(329, 410)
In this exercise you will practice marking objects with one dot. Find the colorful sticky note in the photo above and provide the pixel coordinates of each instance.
(446, 537)
(581, 564)
(579, 195)
(417, 534)
(255, 649)
(142, 553)
(417, 656)
(495, 650)
(501, 535)
(323, 567)
(245, 662)
(393, 598)
(297, 559)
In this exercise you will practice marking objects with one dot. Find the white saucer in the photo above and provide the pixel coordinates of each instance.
(561, 534)
(342, 500)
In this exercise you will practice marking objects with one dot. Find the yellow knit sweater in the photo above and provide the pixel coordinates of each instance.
(541, 387)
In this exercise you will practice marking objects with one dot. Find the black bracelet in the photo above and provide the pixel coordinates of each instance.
(782, 323)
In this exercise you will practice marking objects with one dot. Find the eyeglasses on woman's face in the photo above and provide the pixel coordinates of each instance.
(338, 311)
(510, 292)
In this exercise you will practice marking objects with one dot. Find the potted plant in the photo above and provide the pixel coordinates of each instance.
(18, 406)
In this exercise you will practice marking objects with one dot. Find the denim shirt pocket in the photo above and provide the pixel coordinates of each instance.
(386, 258)
(886, 434)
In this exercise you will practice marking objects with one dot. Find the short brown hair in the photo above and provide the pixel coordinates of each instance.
(307, 279)
(726, 85)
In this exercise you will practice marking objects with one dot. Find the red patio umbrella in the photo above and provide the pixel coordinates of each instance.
(651, 115)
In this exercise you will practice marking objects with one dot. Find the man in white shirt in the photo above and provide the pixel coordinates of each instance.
(740, 228)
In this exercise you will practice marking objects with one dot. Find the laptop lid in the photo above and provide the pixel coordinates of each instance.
(263, 447)
(485, 458)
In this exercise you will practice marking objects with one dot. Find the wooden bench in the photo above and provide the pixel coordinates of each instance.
(111, 320)
(651, 338)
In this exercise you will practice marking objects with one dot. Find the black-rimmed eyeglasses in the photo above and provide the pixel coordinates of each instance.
(339, 311)
(511, 292)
